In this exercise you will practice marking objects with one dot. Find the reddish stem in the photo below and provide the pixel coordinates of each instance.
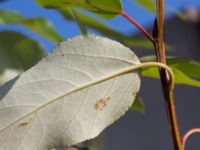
(142, 29)
(188, 134)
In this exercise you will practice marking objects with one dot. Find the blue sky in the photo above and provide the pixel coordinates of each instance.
(68, 29)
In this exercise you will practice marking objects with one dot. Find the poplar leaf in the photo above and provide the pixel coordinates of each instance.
(70, 96)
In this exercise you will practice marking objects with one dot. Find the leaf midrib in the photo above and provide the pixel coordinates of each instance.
(104, 78)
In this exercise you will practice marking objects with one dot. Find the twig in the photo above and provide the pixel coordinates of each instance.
(169, 95)
(158, 42)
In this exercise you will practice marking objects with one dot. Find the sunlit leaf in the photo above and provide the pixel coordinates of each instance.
(180, 77)
(188, 66)
(105, 8)
(186, 71)
(106, 30)
(18, 51)
(8, 74)
(69, 97)
(38, 25)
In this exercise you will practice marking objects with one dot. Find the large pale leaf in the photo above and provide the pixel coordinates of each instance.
(38, 25)
(104, 8)
(64, 99)
(8, 74)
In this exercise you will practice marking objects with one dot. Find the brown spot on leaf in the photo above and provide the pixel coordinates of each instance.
(134, 94)
(23, 124)
(102, 103)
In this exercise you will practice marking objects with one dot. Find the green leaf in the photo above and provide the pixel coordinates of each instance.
(105, 29)
(38, 25)
(105, 8)
(188, 66)
(18, 51)
(180, 77)
(185, 70)
(148, 4)
(138, 105)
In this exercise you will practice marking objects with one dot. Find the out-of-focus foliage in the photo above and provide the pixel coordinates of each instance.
(38, 25)
(104, 8)
(138, 105)
(18, 51)
(186, 71)
(86, 148)
(178, 13)
(105, 29)
(148, 4)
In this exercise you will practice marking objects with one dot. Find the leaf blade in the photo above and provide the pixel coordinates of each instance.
(86, 102)
(186, 71)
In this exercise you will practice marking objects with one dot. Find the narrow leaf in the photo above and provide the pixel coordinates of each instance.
(105, 8)
(38, 25)
(180, 77)
(188, 66)
(186, 71)
(68, 97)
